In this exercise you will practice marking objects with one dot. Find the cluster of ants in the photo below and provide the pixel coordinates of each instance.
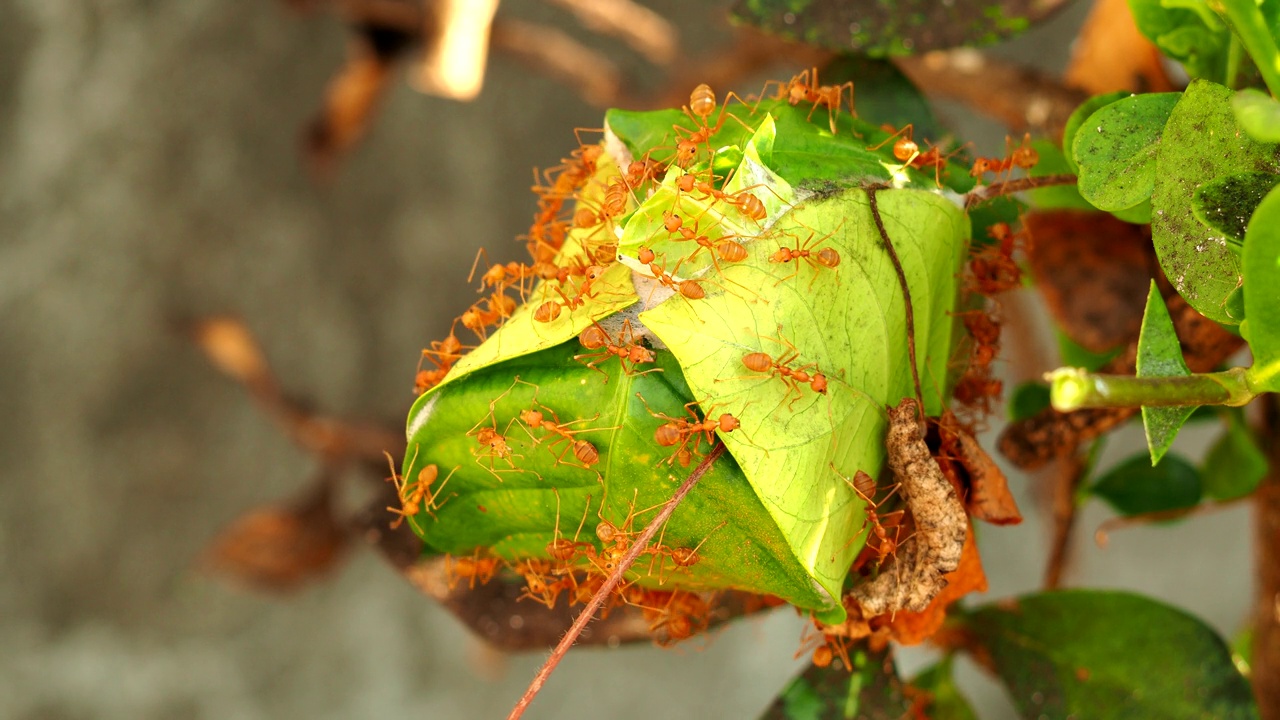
(574, 568)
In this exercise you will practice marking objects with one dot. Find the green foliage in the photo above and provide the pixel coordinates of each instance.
(1160, 355)
(1115, 150)
(1262, 293)
(871, 692)
(1077, 118)
(1028, 399)
(1234, 466)
(1135, 487)
(1225, 204)
(946, 702)
(1105, 655)
(1201, 142)
(796, 525)
(1258, 113)
(1186, 31)
(884, 95)
(896, 28)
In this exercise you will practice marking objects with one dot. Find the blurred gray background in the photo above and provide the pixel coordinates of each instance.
(150, 172)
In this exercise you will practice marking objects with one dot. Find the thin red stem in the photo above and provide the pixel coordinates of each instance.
(588, 613)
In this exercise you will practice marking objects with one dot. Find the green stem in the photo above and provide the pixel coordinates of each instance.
(1234, 51)
(1250, 26)
(1073, 389)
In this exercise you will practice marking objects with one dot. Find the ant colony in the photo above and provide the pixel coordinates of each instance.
(692, 283)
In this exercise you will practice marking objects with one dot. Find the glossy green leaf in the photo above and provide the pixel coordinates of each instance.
(1201, 142)
(1188, 32)
(1077, 118)
(1262, 292)
(1225, 204)
(1234, 465)
(1134, 487)
(946, 702)
(508, 504)
(804, 151)
(1108, 656)
(1028, 399)
(872, 692)
(1258, 113)
(1115, 150)
(1160, 355)
(896, 28)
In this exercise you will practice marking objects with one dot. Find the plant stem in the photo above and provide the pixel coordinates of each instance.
(588, 613)
(1266, 623)
(984, 193)
(1250, 26)
(906, 293)
(1074, 388)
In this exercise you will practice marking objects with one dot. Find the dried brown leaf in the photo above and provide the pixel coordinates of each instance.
(982, 482)
(911, 628)
(281, 548)
(1093, 271)
(1111, 54)
(351, 101)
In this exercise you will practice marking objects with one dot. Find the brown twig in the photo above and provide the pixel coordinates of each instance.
(1101, 537)
(906, 291)
(595, 77)
(1021, 98)
(641, 544)
(646, 31)
(1066, 482)
(1266, 621)
(984, 193)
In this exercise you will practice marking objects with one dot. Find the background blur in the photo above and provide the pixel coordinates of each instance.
(149, 173)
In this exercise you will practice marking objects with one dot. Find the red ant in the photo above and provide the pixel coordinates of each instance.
(865, 486)
(567, 550)
(826, 257)
(993, 268)
(908, 152)
(443, 354)
(806, 88)
(792, 377)
(680, 431)
(627, 350)
(550, 310)
(1024, 156)
(690, 289)
(702, 103)
(474, 568)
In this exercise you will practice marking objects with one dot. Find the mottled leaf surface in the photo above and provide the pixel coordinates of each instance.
(897, 28)
(1108, 655)
(1115, 150)
(1201, 142)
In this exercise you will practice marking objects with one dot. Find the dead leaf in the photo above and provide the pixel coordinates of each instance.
(1111, 54)
(912, 628)
(351, 100)
(281, 548)
(1093, 272)
(984, 485)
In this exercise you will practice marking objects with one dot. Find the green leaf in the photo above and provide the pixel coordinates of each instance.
(1135, 487)
(872, 692)
(1160, 355)
(1028, 399)
(1108, 655)
(1225, 204)
(775, 516)
(896, 28)
(1116, 148)
(1077, 118)
(1201, 142)
(1258, 113)
(1234, 466)
(1261, 260)
(1195, 36)
(1076, 355)
(946, 702)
